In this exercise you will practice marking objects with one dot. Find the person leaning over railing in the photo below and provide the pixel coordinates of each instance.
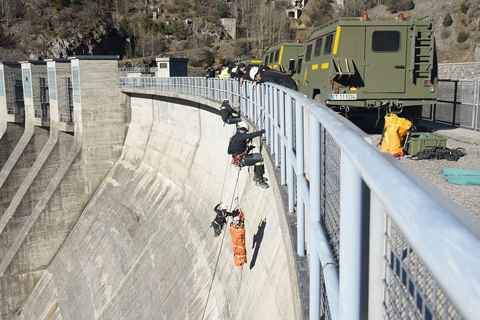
(265, 74)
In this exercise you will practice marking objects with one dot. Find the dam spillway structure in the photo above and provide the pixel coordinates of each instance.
(56, 163)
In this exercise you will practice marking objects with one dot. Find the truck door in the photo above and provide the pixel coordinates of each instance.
(385, 59)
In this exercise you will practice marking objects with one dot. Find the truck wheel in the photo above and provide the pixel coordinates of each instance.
(414, 114)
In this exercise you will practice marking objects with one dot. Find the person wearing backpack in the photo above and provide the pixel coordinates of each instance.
(239, 149)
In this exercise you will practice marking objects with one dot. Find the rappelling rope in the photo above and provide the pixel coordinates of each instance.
(219, 252)
(184, 268)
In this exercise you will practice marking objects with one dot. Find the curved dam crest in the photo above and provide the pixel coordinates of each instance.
(143, 246)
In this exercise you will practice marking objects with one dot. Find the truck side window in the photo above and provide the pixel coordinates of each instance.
(276, 55)
(328, 44)
(299, 65)
(386, 41)
(318, 47)
(271, 57)
(266, 59)
(308, 54)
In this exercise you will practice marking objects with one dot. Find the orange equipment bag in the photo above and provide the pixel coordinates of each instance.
(393, 134)
(237, 231)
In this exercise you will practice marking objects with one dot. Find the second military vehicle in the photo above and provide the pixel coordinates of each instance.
(283, 56)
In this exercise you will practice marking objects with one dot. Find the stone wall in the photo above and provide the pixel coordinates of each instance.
(464, 70)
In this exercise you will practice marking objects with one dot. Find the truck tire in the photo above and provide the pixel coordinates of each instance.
(414, 114)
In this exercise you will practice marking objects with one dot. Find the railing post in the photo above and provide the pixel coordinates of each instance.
(354, 207)
(283, 147)
(455, 103)
(271, 127)
(276, 118)
(300, 173)
(377, 251)
(287, 162)
(314, 213)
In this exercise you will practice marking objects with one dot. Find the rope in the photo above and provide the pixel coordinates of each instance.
(213, 277)
(440, 153)
(219, 252)
(240, 289)
(224, 178)
(185, 267)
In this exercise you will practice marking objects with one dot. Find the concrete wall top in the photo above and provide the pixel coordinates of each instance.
(81, 57)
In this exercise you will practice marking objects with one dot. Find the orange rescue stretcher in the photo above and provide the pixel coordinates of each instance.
(237, 231)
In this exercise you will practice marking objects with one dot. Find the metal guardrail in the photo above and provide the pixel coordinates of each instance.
(457, 103)
(382, 242)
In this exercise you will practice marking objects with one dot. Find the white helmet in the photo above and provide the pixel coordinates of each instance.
(242, 125)
(253, 72)
(223, 206)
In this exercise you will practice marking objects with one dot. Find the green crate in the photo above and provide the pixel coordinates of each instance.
(420, 141)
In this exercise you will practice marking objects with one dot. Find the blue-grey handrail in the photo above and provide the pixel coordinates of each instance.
(443, 235)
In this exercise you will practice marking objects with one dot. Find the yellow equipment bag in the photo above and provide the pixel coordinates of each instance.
(393, 134)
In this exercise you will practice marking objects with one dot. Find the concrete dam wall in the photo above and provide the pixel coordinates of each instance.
(143, 247)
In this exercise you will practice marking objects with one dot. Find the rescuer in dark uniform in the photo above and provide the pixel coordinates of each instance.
(222, 214)
(239, 149)
(265, 74)
(227, 113)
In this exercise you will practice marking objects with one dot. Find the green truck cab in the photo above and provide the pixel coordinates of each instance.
(283, 56)
(250, 61)
(361, 67)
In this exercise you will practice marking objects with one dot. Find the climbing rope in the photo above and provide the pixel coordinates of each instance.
(184, 268)
(440, 153)
(219, 252)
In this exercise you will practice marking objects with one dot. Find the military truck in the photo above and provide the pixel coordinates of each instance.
(366, 67)
(250, 61)
(283, 56)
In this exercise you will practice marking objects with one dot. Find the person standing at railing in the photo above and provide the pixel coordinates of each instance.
(243, 72)
(224, 74)
(239, 148)
(228, 114)
(265, 74)
(209, 72)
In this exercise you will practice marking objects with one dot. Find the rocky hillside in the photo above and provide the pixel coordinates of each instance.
(465, 20)
(138, 30)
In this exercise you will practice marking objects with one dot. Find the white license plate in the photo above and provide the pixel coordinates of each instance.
(345, 96)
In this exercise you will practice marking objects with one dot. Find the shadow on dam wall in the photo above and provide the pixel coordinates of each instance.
(143, 247)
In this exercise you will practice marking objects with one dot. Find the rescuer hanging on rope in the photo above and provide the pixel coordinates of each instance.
(222, 214)
(239, 149)
(228, 114)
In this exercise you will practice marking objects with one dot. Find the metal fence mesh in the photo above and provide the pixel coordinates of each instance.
(330, 219)
(457, 103)
(410, 290)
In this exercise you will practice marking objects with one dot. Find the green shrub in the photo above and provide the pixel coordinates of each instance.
(464, 8)
(411, 5)
(447, 21)
(125, 27)
(462, 36)
(208, 41)
(464, 22)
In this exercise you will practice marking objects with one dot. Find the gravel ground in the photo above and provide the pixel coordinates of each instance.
(467, 197)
